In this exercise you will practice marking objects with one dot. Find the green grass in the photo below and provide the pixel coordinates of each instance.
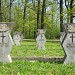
(36, 68)
(22, 67)
(27, 50)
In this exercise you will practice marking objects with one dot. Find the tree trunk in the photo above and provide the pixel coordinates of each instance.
(34, 8)
(0, 12)
(71, 15)
(42, 14)
(10, 11)
(61, 15)
(38, 14)
(24, 12)
(33, 1)
(69, 6)
(24, 17)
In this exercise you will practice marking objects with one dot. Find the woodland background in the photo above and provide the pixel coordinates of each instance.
(30, 15)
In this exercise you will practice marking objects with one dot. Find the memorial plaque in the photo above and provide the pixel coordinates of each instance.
(68, 42)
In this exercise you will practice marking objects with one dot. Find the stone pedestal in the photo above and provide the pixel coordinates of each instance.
(67, 41)
(41, 39)
(6, 42)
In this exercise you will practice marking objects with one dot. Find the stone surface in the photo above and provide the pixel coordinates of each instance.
(16, 39)
(6, 25)
(67, 41)
(6, 43)
(21, 36)
(41, 40)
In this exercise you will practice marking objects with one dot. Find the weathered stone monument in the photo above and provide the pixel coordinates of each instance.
(17, 39)
(41, 39)
(21, 36)
(6, 41)
(67, 41)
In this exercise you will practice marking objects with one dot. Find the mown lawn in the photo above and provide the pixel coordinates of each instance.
(36, 68)
(24, 67)
(28, 49)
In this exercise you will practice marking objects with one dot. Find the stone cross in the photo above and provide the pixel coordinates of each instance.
(3, 38)
(41, 39)
(6, 42)
(72, 37)
(68, 43)
(17, 39)
(2, 44)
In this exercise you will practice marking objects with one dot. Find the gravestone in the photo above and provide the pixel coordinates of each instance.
(21, 36)
(17, 39)
(41, 39)
(6, 41)
(67, 41)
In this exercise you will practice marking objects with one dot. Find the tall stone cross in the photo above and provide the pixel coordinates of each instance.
(69, 43)
(6, 41)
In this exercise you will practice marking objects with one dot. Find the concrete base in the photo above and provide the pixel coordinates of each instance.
(5, 58)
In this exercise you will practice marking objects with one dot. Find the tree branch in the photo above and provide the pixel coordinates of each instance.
(73, 6)
(66, 4)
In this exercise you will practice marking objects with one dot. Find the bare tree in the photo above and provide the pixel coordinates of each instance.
(33, 1)
(38, 14)
(0, 12)
(69, 5)
(10, 11)
(61, 15)
(42, 14)
(10, 7)
(71, 15)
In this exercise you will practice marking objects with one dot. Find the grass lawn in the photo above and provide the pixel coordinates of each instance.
(36, 68)
(29, 49)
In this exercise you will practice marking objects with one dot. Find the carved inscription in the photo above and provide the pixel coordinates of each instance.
(70, 45)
